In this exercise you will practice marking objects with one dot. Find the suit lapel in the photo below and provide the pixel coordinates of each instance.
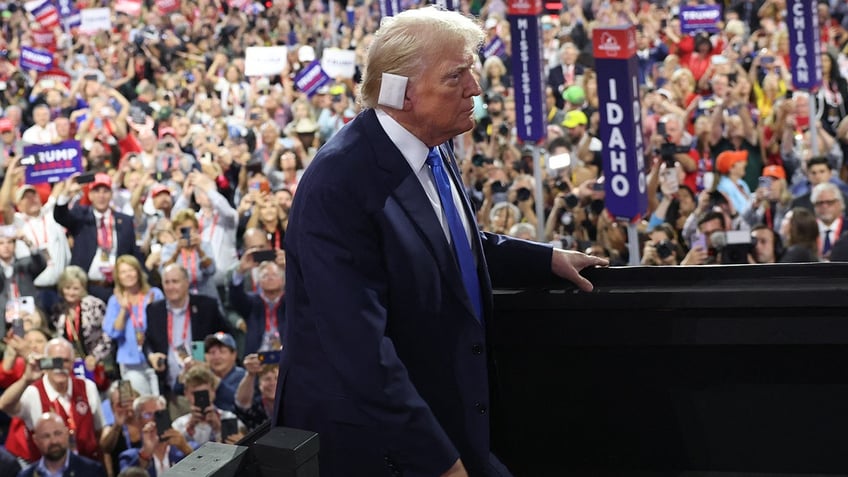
(411, 198)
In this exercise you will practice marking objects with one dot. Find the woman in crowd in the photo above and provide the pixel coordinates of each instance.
(802, 237)
(78, 317)
(126, 322)
(19, 347)
(269, 216)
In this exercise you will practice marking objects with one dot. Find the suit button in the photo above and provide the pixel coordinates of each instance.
(481, 408)
(477, 349)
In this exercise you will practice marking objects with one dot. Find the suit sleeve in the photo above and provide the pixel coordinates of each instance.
(517, 263)
(67, 218)
(336, 251)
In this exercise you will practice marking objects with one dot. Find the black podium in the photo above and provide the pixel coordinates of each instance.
(671, 370)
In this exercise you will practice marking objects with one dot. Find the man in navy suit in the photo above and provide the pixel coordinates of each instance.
(175, 322)
(52, 438)
(388, 281)
(100, 234)
(565, 74)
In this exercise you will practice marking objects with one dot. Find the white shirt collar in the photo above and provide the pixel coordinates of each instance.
(101, 215)
(412, 149)
(51, 392)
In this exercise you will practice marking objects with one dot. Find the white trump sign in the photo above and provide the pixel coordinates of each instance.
(338, 63)
(265, 60)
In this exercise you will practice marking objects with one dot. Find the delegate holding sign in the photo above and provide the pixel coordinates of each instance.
(51, 163)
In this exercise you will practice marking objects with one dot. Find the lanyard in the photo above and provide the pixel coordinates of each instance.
(277, 239)
(104, 235)
(14, 290)
(35, 235)
(171, 326)
(184, 257)
(271, 316)
(69, 415)
(136, 318)
(73, 324)
(211, 229)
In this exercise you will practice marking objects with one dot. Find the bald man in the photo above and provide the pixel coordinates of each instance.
(52, 438)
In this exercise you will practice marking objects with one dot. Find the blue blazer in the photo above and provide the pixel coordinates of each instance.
(78, 466)
(382, 355)
(251, 307)
(82, 226)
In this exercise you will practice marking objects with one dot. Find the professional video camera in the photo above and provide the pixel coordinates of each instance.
(733, 246)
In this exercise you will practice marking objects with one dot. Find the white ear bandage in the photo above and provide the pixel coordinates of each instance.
(392, 91)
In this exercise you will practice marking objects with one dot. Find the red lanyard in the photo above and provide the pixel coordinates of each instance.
(35, 235)
(13, 288)
(193, 269)
(211, 229)
(60, 410)
(271, 316)
(138, 324)
(69, 328)
(171, 325)
(104, 237)
(277, 239)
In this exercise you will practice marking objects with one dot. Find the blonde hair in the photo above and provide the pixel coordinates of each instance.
(406, 44)
(184, 215)
(130, 260)
(73, 272)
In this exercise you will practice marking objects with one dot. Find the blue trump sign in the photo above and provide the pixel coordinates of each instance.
(804, 44)
(389, 8)
(527, 77)
(621, 121)
(695, 18)
(311, 78)
(51, 163)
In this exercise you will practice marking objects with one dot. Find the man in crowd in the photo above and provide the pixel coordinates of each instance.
(220, 355)
(52, 437)
(50, 386)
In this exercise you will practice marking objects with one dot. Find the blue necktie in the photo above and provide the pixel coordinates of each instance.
(457, 232)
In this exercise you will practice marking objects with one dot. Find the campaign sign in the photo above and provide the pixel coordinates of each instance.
(530, 123)
(338, 63)
(35, 59)
(57, 75)
(95, 19)
(165, 7)
(44, 12)
(695, 18)
(621, 121)
(389, 8)
(80, 371)
(51, 163)
(495, 47)
(69, 13)
(804, 45)
(128, 7)
(265, 60)
(448, 4)
(311, 78)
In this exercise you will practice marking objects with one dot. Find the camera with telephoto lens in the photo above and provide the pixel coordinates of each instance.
(664, 249)
(522, 194)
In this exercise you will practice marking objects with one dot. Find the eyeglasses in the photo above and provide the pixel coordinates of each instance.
(825, 202)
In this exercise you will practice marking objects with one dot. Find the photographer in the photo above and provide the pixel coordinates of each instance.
(661, 248)
(672, 143)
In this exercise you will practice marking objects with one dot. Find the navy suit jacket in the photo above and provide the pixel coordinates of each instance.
(382, 355)
(78, 466)
(251, 307)
(82, 226)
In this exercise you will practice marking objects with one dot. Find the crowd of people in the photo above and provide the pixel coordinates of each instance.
(154, 279)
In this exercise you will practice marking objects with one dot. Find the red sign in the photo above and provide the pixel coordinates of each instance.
(524, 7)
(167, 6)
(56, 75)
(128, 7)
(44, 38)
(614, 42)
